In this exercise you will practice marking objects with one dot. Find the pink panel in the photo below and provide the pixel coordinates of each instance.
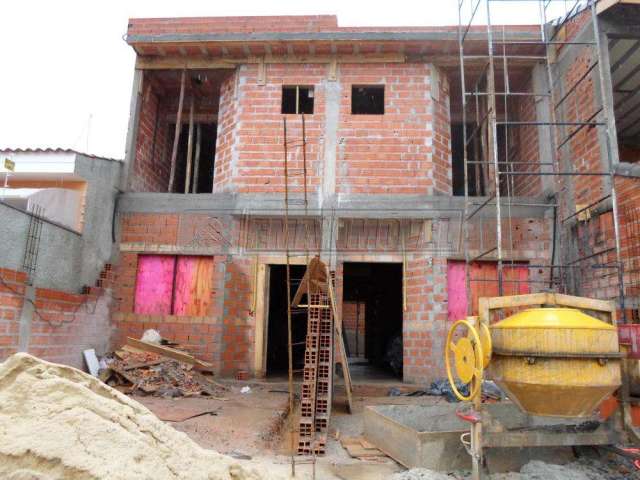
(154, 284)
(457, 305)
(192, 295)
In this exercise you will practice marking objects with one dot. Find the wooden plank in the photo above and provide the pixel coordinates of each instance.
(193, 286)
(314, 272)
(358, 447)
(189, 159)
(262, 294)
(607, 306)
(168, 352)
(344, 361)
(154, 283)
(176, 135)
(196, 167)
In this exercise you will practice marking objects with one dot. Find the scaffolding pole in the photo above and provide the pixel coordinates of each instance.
(490, 128)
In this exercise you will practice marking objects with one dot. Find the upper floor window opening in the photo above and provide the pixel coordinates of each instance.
(367, 100)
(297, 99)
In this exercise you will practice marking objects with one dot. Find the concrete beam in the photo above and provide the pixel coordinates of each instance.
(435, 35)
(132, 131)
(344, 206)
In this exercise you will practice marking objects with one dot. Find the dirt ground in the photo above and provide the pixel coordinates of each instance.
(254, 427)
(255, 424)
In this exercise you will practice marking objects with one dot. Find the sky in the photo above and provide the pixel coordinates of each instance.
(67, 71)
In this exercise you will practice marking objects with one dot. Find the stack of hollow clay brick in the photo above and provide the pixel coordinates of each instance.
(315, 405)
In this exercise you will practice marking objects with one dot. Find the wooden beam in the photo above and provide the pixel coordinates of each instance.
(314, 274)
(196, 168)
(607, 306)
(176, 136)
(187, 176)
(169, 352)
(344, 362)
(181, 63)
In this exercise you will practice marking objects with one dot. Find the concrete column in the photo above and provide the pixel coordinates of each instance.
(26, 316)
(331, 120)
(539, 84)
(132, 131)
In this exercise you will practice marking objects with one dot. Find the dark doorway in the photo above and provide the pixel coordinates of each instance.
(277, 333)
(457, 162)
(203, 177)
(377, 287)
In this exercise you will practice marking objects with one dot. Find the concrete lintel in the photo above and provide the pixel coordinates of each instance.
(26, 316)
(625, 169)
(342, 206)
(435, 35)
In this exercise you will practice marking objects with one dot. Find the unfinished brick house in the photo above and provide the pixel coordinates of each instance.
(361, 140)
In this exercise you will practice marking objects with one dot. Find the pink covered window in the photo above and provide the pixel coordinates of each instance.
(173, 285)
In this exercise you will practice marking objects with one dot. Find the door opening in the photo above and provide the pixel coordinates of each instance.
(277, 334)
(372, 318)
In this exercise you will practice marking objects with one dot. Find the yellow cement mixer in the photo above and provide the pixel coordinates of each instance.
(539, 355)
(555, 362)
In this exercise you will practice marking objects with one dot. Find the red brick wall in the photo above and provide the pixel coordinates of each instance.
(285, 23)
(390, 153)
(398, 152)
(525, 148)
(201, 335)
(152, 164)
(226, 139)
(250, 149)
(628, 190)
(350, 317)
(225, 336)
(238, 335)
(11, 299)
(584, 147)
(442, 138)
(62, 324)
(425, 318)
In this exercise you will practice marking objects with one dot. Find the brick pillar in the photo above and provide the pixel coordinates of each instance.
(424, 325)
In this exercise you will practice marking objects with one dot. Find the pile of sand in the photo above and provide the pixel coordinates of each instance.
(57, 422)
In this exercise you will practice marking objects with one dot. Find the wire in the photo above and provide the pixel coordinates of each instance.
(40, 315)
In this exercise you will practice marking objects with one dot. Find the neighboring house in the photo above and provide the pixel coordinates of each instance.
(76, 197)
(56, 224)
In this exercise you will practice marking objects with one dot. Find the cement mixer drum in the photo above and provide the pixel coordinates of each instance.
(555, 361)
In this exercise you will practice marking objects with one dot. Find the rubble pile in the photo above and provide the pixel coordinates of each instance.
(153, 374)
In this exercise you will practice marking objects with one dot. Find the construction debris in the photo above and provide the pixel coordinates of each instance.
(165, 351)
(154, 374)
(58, 423)
(358, 447)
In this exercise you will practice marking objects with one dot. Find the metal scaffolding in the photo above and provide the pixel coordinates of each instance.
(492, 167)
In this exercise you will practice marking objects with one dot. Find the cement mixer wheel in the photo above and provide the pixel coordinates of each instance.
(468, 359)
